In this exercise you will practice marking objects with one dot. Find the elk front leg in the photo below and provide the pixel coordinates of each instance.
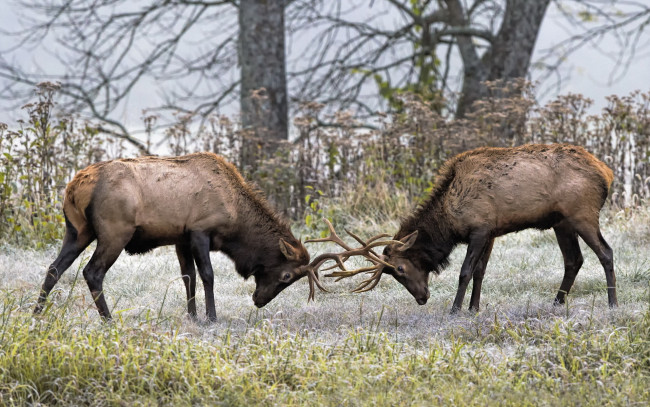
(475, 250)
(188, 273)
(200, 244)
(478, 277)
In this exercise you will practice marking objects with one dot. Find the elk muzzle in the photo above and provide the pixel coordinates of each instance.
(416, 283)
(424, 298)
(264, 295)
(258, 299)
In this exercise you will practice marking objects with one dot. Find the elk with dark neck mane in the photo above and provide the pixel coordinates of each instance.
(488, 192)
(198, 202)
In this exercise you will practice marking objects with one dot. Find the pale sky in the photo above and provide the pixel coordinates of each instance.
(591, 73)
(586, 71)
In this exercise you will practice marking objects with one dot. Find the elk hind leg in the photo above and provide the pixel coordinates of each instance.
(188, 272)
(107, 251)
(567, 239)
(590, 233)
(74, 244)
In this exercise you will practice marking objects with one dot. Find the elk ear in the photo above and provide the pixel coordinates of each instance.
(408, 240)
(290, 252)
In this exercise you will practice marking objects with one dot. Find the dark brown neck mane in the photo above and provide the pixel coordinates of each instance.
(436, 237)
(257, 240)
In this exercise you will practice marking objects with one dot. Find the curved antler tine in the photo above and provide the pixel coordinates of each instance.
(370, 283)
(372, 239)
(314, 282)
(332, 267)
(364, 250)
(343, 274)
(380, 236)
(378, 260)
(339, 262)
(333, 237)
(355, 237)
(317, 281)
(371, 246)
(383, 243)
(312, 290)
(362, 287)
(319, 240)
(372, 242)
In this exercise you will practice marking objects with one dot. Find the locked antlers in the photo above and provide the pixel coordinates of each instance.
(365, 250)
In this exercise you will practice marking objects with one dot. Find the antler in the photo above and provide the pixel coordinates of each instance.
(340, 258)
(313, 281)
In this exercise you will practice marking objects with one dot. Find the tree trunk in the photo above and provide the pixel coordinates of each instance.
(263, 94)
(508, 57)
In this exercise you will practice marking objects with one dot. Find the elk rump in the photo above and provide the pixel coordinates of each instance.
(488, 192)
(198, 202)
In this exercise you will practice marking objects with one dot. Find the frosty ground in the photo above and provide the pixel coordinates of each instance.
(517, 330)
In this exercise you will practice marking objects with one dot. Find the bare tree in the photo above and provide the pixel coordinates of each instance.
(347, 53)
(508, 53)
(184, 49)
(587, 23)
(361, 46)
(263, 75)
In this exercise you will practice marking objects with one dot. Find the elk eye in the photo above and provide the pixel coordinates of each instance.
(286, 276)
(400, 269)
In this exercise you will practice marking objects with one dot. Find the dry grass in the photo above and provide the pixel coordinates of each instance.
(376, 348)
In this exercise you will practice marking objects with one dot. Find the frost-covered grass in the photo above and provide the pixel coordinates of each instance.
(343, 349)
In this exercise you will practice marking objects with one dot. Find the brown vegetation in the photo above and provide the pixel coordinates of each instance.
(337, 167)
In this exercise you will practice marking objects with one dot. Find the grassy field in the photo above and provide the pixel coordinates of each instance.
(377, 348)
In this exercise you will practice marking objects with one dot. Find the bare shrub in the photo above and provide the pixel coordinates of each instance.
(619, 135)
(37, 160)
(382, 169)
(336, 166)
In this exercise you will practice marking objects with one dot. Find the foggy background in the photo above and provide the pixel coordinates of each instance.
(593, 70)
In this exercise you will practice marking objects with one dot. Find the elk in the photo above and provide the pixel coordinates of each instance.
(198, 202)
(488, 192)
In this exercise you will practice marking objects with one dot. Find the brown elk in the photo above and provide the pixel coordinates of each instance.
(489, 192)
(198, 203)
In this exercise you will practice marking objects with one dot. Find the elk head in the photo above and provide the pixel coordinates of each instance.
(404, 268)
(281, 268)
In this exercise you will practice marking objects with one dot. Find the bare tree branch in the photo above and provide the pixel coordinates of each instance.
(349, 54)
(114, 46)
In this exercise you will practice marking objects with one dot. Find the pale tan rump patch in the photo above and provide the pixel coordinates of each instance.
(78, 194)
